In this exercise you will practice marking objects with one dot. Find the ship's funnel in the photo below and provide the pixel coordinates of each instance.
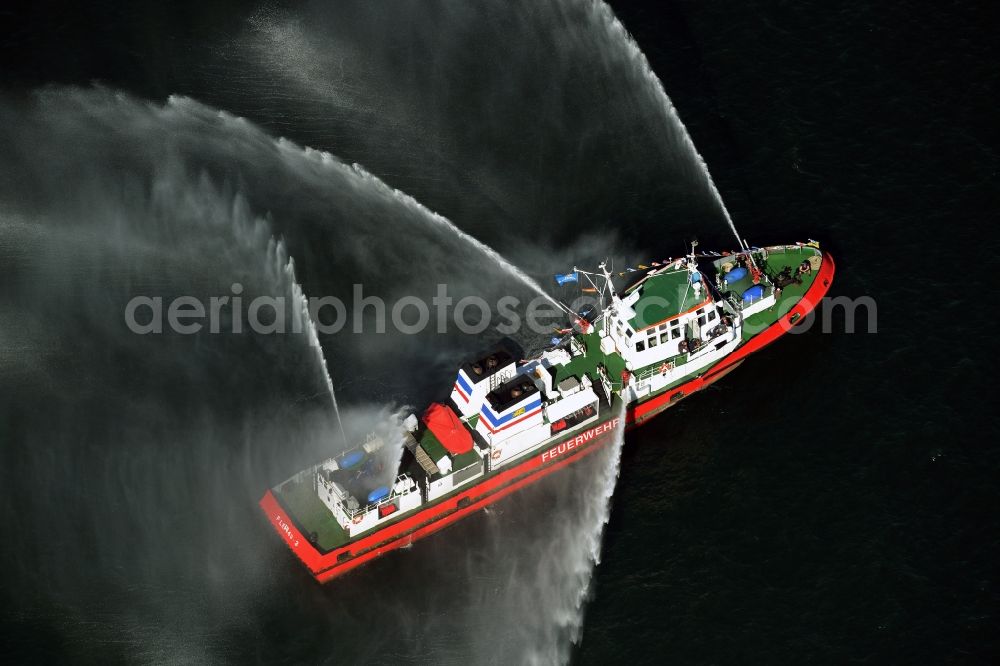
(478, 377)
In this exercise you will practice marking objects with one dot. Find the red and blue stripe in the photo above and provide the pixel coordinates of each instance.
(463, 388)
(497, 423)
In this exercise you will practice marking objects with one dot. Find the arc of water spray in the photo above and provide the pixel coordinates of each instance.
(636, 54)
(585, 552)
(609, 483)
(407, 201)
(445, 223)
(355, 170)
(300, 300)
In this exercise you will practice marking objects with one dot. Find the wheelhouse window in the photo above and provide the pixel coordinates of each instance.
(640, 346)
(651, 342)
(664, 337)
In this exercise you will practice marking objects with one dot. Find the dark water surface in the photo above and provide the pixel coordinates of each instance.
(832, 501)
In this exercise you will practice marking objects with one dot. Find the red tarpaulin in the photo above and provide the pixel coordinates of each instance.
(448, 428)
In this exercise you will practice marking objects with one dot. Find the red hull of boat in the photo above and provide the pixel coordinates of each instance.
(326, 566)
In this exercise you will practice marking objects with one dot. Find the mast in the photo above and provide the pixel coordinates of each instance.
(606, 288)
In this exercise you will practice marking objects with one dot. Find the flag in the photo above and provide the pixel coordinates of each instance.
(630, 270)
(643, 266)
(568, 277)
(588, 290)
(655, 263)
(554, 341)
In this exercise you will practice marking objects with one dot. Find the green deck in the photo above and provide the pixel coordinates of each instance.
(434, 448)
(463, 460)
(664, 296)
(587, 363)
(790, 295)
(309, 512)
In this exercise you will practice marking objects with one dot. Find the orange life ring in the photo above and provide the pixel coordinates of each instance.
(665, 367)
(357, 519)
(495, 454)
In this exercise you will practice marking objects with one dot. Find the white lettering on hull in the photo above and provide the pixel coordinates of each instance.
(564, 447)
(287, 530)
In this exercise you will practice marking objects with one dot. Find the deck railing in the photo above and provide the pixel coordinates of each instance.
(411, 487)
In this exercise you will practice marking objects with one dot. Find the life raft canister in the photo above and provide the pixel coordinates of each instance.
(754, 293)
(351, 459)
(736, 274)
